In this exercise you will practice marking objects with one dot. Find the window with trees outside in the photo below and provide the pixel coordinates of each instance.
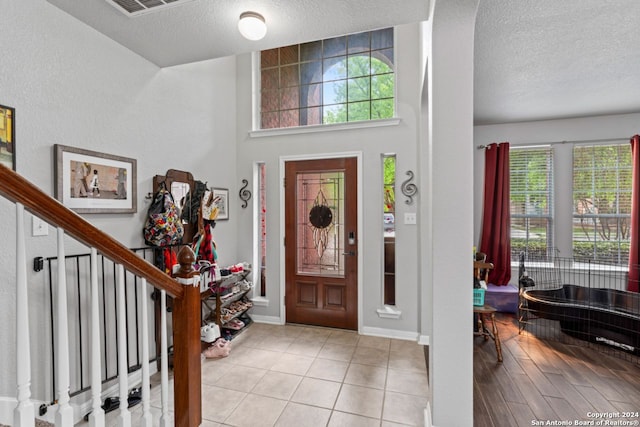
(531, 199)
(337, 80)
(389, 227)
(602, 203)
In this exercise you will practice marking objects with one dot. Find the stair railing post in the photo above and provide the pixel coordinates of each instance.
(23, 414)
(64, 416)
(165, 420)
(186, 344)
(147, 418)
(96, 418)
(124, 416)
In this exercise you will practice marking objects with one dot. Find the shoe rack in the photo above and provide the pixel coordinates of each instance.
(225, 302)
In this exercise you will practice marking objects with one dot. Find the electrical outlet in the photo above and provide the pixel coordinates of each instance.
(410, 218)
(39, 227)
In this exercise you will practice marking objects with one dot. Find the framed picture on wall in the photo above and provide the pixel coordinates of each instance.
(92, 182)
(7, 137)
(221, 197)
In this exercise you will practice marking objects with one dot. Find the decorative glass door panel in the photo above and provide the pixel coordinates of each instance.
(321, 243)
(320, 227)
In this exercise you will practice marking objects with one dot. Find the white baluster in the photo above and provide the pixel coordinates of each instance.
(64, 416)
(165, 419)
(146, 403)
(124, 417)
(96, 418)
(23, 414)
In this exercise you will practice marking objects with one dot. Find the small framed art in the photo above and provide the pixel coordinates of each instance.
(8, 137)
(221, 195)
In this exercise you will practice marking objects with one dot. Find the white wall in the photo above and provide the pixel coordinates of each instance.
(371, 142)
(70, 85)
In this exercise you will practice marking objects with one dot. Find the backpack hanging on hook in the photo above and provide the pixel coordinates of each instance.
(163, 226)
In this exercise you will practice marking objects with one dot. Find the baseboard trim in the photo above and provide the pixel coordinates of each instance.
(389, 333)
(272, 320)
(260, 302)
(427, 416)
(423, 340)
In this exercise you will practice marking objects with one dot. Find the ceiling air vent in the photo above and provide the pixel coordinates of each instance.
(139, 7)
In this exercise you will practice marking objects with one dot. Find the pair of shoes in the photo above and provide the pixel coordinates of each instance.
(235, 324)
(135, 397)
(111, 404)
(220, 348)
(226, 314)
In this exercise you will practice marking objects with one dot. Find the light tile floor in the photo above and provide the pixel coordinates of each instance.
(299, 376)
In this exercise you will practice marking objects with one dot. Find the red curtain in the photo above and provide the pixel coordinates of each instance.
(634, 247)
(495, 240)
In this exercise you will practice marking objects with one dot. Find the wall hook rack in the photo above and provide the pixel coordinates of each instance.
(245, 195)
(409, 189)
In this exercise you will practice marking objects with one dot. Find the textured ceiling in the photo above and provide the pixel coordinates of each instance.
(205, 29)
(554, 59)
(534, 60)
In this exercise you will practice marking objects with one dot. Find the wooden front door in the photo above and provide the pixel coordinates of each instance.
(321, 242)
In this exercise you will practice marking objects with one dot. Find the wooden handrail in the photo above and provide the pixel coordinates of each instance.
(16, 188)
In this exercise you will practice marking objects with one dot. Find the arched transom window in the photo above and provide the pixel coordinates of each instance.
(336, 80)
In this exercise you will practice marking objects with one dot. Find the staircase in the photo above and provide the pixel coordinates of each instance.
(183, 289)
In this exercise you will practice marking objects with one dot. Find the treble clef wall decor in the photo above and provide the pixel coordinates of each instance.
(245, 194)
(409, 189)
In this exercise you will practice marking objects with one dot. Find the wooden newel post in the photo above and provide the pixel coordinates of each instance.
(186, 344)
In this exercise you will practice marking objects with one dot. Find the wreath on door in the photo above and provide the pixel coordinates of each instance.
(320, 218)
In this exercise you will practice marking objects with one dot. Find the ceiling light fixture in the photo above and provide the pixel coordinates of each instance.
(252, 25)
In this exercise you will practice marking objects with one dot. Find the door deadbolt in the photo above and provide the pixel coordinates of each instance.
(352, 238)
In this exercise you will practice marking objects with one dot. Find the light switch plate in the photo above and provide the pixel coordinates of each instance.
(410, 218)
(39, 227)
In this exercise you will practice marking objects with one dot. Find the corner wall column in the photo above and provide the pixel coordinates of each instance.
(450, 139)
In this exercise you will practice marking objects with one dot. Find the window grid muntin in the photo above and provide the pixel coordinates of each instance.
(380, 46)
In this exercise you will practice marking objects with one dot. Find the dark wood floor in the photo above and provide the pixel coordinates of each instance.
(549, 381)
